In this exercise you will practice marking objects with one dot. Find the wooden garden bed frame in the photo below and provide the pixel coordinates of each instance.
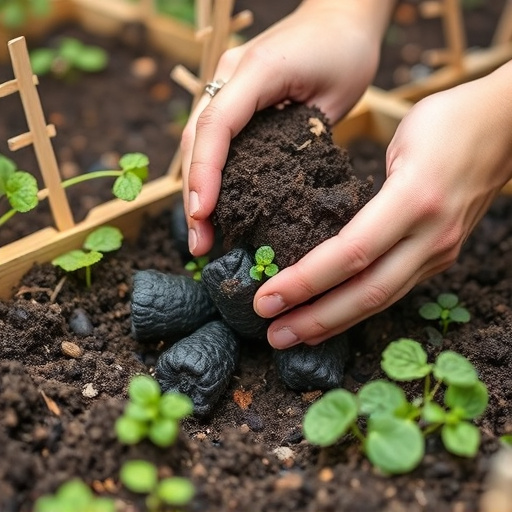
(376, 116)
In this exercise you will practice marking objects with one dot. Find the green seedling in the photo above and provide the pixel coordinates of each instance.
(446, 310)
(141, 477)
(151, 414)
(264, 257)
(396, 428)
(506, 440)
(21, 188)
(196, 266)
(183, 10)
(14, 13)
(101, 240)
(69, 59)
(74, 496)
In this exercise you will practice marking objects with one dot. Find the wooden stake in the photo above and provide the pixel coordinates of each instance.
(37, 126)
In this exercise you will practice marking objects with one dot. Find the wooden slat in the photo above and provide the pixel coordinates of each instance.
(25, 139)
(35, 118)
(11, 86)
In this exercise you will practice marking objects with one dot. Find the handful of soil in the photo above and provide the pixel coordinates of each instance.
(287, 185)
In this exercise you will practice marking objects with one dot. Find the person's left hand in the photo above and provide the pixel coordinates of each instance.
(447, 161)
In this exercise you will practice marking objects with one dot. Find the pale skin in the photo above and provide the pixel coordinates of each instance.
(448, 159)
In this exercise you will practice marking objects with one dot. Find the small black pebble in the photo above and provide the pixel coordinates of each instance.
(80, 323)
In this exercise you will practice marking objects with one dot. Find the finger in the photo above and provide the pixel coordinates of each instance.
(250, 89)
(387, 280)
(375, 229)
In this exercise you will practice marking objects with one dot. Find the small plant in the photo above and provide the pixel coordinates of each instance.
(151, 414)
(446, 310)
(68, 59)
(101, 240)
(183, 10)
(141, 477)
(395, 427)
(196, 266)
(14, 13)
(74, 496)
(21, 188)
(264, 257)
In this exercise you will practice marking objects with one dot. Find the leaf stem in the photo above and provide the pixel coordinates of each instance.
(90, 176)
(357, 432)
(6, 216)
(88, 276)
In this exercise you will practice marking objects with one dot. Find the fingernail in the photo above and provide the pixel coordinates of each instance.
(192, 240)
(193, 203)
(283, 338)
(270, 305)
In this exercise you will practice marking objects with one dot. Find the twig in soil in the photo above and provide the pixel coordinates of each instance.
(58, 288)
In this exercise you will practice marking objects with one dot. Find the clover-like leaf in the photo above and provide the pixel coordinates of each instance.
(104, 239)
(430, 311)
(472, 400)
(405, 360)
(176, 406)
(135, 162)
(330, 417)
(144, 390)
(127, 186)
(264, 255)
(454, 369)
(7, 167)
(139, 476)
(164, 431)
(380, 396)
(460, 315)
(394, 445)
(447, 300)
(175, 491)
(271, 270)
(21, 191)
(461, 439)
(76, 259)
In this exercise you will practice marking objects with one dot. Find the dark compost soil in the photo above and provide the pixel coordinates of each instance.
(57, 411)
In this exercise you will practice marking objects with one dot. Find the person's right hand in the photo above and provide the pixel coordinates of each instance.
(324, 54)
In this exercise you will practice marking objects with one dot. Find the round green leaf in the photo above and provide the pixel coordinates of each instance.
(129, 430)
(405, 360)
(76, 493)
(48, 503)
(454, 369)
(13, 14)
(141, 412)
(104, 239)
(271, 270)
(91, 59)
(447, 300)
(461, 439)
(139, 476)
(329, 418)
(380, 396)
(176, 406)
(175, 491)
(255, 273)
(133, 161)
(127, 186)
(394, 445)
(430, 311)
(164, 431)
(7, 167)
(102, 505)
(433, 413)
(460, 315)
(76, 259)
(264, 255)
(21, 191)
(42, 60)
(472, 400)
(144, 390)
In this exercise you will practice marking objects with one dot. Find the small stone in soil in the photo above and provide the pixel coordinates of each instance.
(80, 323)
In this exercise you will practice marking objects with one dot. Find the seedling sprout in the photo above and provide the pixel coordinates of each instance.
(395, 427)
(101, 240)
(196, 266)
(264, 257)
(446, 310)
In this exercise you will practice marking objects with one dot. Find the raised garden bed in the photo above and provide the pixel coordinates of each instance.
(57, 411)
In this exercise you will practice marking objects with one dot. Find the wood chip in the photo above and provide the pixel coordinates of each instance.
(311, 396)
(317, 127)
(242, 398)
(52, 406)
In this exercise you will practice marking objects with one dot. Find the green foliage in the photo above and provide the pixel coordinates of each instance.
(74, 496)
(395, 427)
(141, 477)
(446, 310)
(151, 414)
(196, 266)
(101, 240)
(19, 187)
(183, 10)
(14, 13)
(264, 257)
(70, 57)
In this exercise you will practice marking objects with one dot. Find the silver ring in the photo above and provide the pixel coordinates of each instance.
(212, 88)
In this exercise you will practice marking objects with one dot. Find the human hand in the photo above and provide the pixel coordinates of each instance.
(323, 54)
(447, 161)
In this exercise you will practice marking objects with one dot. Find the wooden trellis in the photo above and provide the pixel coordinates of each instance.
(377, 115)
